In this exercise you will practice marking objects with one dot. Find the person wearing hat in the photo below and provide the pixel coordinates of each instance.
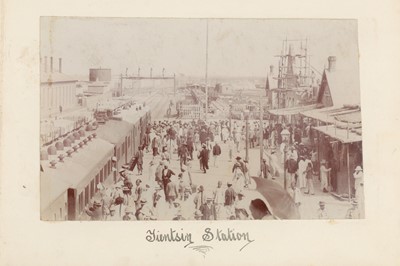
(183, 154)
(358, 183)
(236, 138)
(199, 198)
(239, 164)
(171, 190)
(265, 170)
(185, 177)
(324, 172)
(353, 212)
(230, 148)
(155, 144)
(166, 176)
(321, 212)
(138, 193)
(146, 211)
(219, 199)
(95, 212)
(309, 178)
(122, 174)
(203, 157)
(301, 173)
(230, 197)
(241, 212)
(129, 216)
(112, 216)
(208, 210)
(139, 160)
(198, 215)
(216, 150)
(158, 173)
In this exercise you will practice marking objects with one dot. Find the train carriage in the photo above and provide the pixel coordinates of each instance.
(69, 183)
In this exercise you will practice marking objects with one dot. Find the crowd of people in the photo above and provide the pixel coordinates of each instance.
(167, 194)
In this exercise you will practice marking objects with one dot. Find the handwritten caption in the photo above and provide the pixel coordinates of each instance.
(208, 236)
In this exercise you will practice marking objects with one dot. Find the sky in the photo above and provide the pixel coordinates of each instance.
(236, 47)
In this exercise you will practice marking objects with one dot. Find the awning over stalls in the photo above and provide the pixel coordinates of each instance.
(292, 110)
(336, 114)
(343, 135)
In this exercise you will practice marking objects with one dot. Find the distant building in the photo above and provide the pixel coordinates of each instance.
(57, 90)
(100, 74)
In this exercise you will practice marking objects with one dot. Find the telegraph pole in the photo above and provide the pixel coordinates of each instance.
(174, 86)
(206, 89)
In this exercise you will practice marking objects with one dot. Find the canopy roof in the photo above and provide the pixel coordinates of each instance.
(343, 135)
(336, 114)
(292, 110)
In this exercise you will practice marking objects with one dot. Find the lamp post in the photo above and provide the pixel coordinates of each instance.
(230, 118)
(246, 115)
(285, 137)
(261, 129)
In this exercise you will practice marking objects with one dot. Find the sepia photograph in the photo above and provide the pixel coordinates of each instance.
(164, 119)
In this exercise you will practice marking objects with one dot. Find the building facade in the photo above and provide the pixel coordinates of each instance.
(57, 90)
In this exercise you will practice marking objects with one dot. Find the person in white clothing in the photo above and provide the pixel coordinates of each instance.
(358, 182)
(324, 176)
(219, 200)
(301, 172)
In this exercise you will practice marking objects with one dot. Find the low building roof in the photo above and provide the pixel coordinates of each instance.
(55, 77)
(344, 86)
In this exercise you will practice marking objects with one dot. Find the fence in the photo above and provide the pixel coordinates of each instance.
(190, 111)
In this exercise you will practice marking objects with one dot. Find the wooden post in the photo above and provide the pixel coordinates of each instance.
(348, 171)
(261, 135)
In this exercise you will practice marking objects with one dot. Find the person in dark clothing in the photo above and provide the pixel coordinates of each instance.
(203, 136)
(190, 146)
(239, 163)
(208, 210)
(216, 153)
(230, 197)
(183, 154)
(166, 176)
(204, 158)
(265, 169)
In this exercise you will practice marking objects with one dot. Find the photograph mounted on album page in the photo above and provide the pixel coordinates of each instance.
(199, 119)
(199, 136)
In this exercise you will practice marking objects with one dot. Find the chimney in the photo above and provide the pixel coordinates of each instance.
(331, 63)
(45, 64)
(271, 70)
(51, 64)
(60, 65)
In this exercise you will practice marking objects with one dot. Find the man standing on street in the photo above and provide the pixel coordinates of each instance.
(139, 160)
(219, 199)
(230, 197)
(216, 153)
(204, 158)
